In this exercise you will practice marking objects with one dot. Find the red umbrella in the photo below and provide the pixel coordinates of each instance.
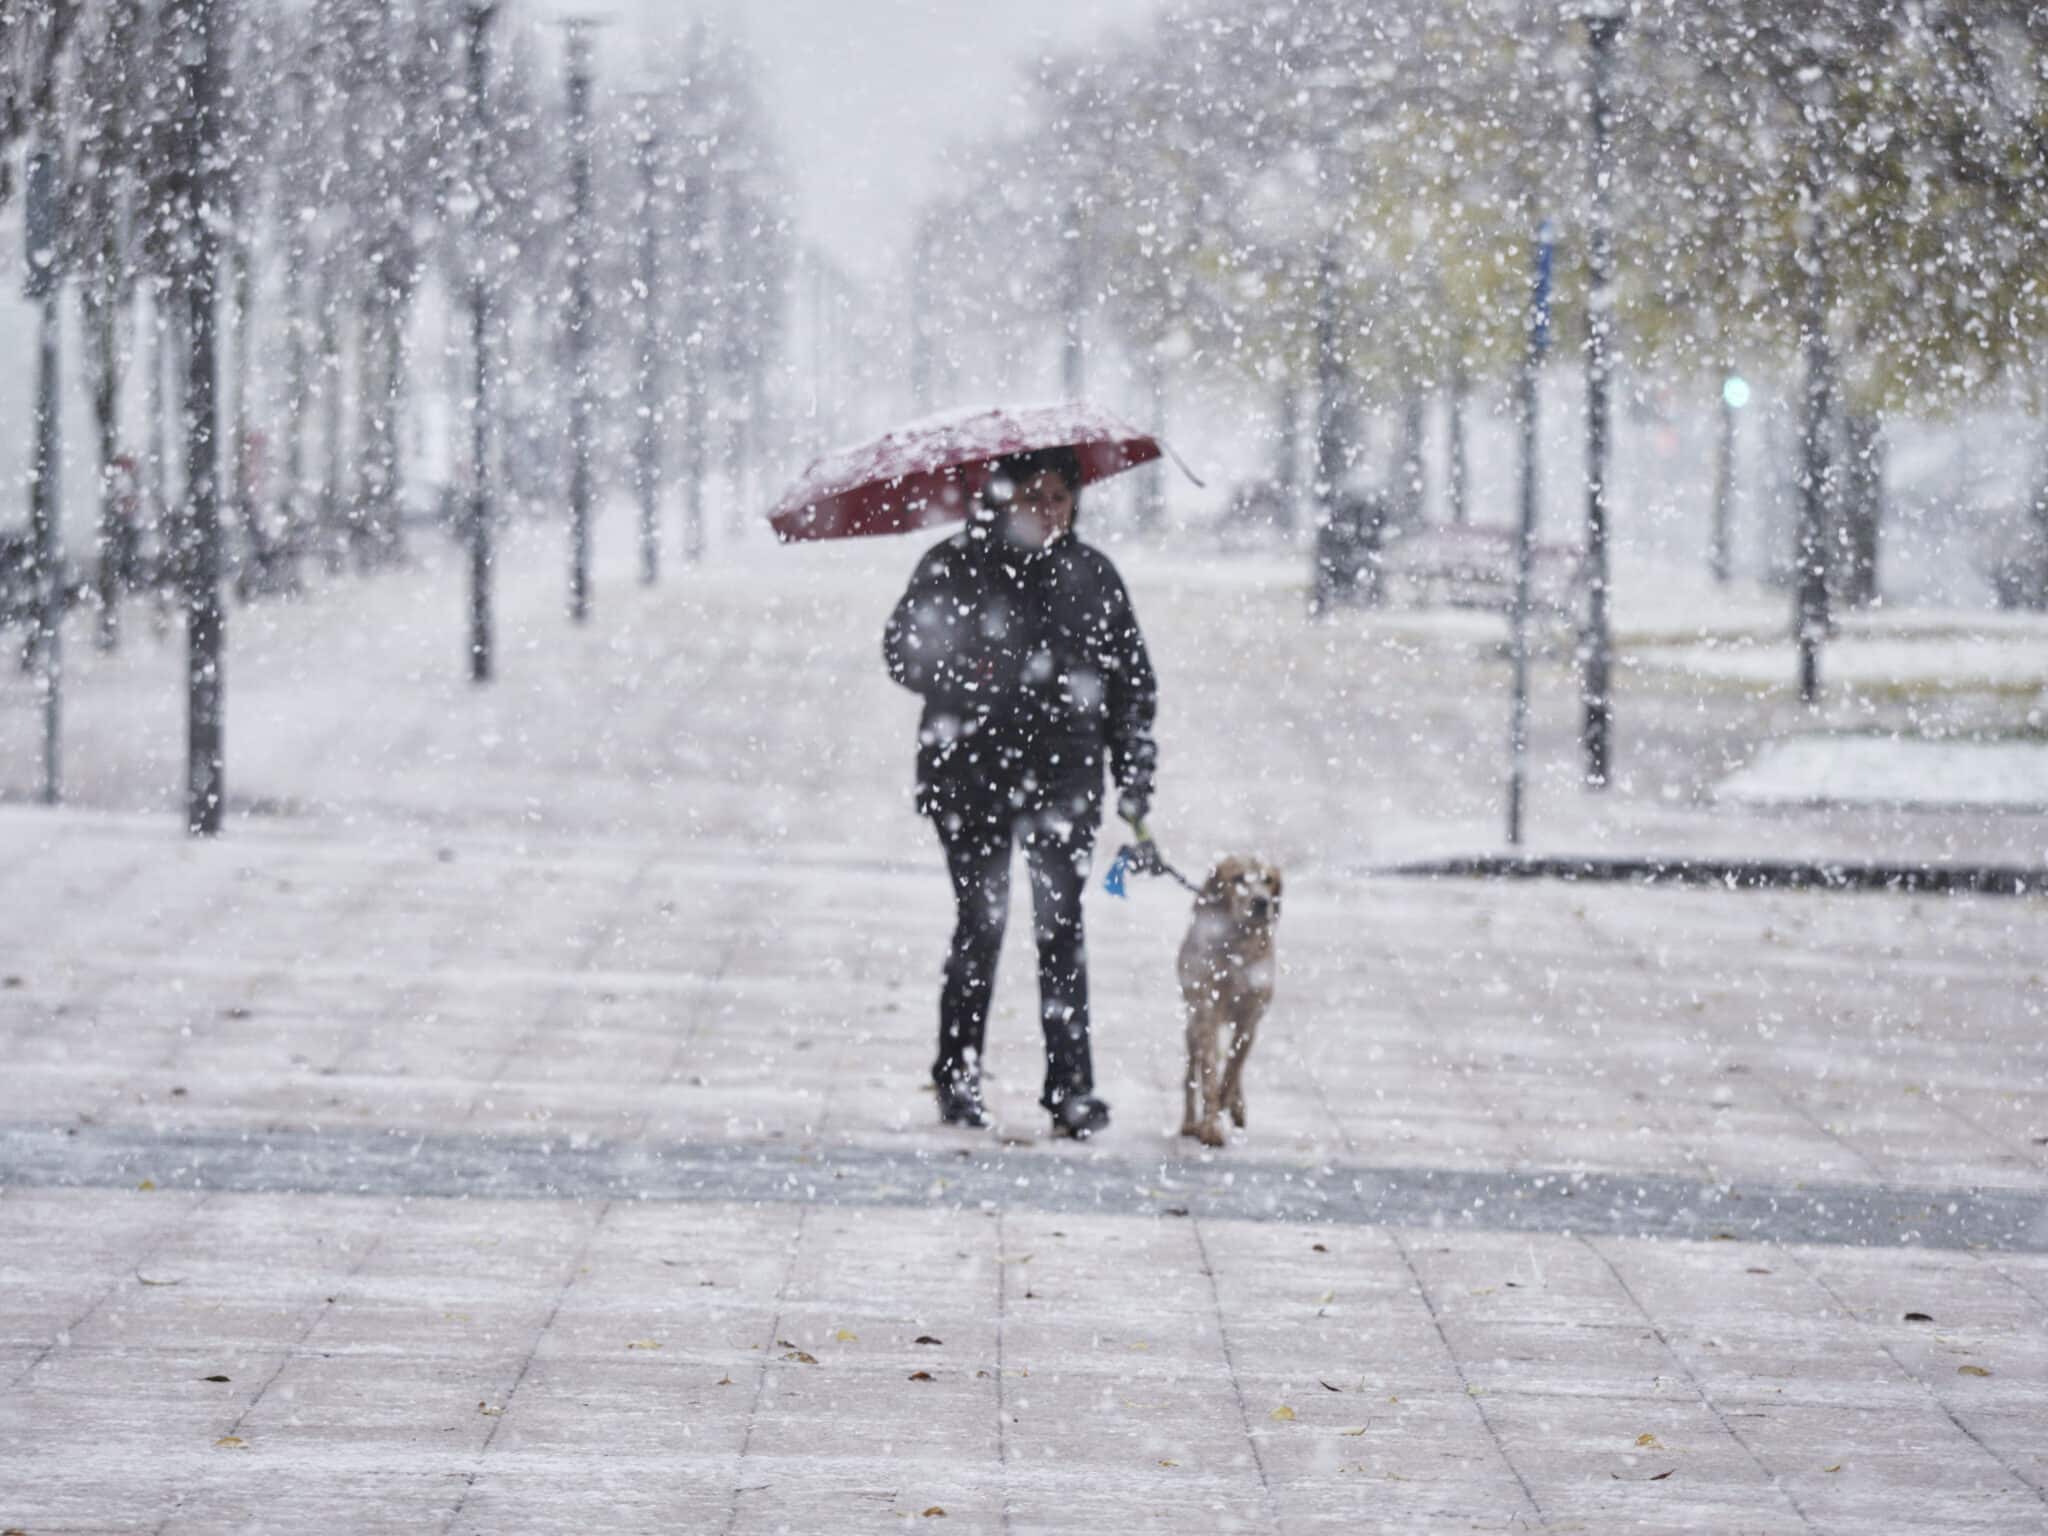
(930, 471)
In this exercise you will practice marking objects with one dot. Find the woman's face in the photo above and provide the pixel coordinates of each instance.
(1041, 511)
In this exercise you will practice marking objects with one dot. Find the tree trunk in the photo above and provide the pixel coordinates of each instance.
(333, 488)
(1287, 449)
(1853, 566)
(1409, 471)
(296, 388)
(253, 567)
(1457, 477)
(103, 362)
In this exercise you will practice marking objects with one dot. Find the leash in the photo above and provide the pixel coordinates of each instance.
(1142, 858)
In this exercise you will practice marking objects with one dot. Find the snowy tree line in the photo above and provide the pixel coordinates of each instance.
(363, 188)
(1339, 200)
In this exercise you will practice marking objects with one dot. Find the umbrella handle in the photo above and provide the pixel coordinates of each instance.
(1167, 448)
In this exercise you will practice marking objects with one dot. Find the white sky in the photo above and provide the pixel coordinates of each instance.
(867, 94)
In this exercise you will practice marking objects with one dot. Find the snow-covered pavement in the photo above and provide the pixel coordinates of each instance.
(518, 1123)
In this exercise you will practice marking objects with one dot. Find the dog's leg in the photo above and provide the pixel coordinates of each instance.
(1191, 1078)
(1233, 1067)
(1199, 1119)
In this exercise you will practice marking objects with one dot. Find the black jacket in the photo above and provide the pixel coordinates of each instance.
(1031, 667)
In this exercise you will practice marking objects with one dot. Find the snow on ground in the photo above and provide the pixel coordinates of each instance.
(459, 1140)
(1882, 770)
(2014, 663)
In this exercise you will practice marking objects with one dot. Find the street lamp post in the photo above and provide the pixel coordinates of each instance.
(581, 315)
(1525, 542)
(1596, 645)
(479, 19)
(45, 287)
(197, 25)
(1329, 445)
(648, 377)
(1811, 619)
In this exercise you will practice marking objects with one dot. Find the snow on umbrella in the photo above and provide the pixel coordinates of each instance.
(930, 471)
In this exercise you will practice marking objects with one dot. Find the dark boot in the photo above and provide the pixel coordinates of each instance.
(960, 1103)
(1080, 1116)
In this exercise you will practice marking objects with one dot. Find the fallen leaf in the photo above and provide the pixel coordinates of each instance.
(1646, 1439)
(1317, 1248)
(925, 1338)
(847, 1336)
(230, 1442)
(1835, 1468)
(1483, 1290)
(1659, 1477)
(146, 1185)
(1326, 1298)
(784, 1344)
(801, 1358)
(1176, 1210)
(1326, 1386)
(920, 1375)
(1166, 1463)
(981, 1376)
(1353, 1434)
(1918, 1317)
(1755, 1270)
(1283, 1413)
(1725, 1237)
(934, 1513)
(1971, 1370)
(146, 1280)
(723, 1381)
(643, 1344)
(213, 1378)
(1141, 1344)
(489, 1412)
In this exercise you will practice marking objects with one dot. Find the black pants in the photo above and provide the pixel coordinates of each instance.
(978, 836)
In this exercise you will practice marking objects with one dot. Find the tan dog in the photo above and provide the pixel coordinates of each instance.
(1226, 981)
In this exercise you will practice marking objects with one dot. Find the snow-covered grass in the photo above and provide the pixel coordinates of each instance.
(1888, 770)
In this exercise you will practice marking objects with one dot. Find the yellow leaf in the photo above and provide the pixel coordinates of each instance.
(934, 1512)
(231, 1442)
(1326, 1298)
(1355, 1433)
(1835, 1468)
(1971, 1370)
(1141, 1344)
(1646, 1439)
(147, 1184)
(847, 1336)
(643, 1344)
(1283, 1413)
(1165, 1463)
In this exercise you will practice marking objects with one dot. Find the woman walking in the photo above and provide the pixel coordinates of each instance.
(1021, 640)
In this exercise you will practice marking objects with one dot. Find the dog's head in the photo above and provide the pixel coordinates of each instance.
(1244, 891)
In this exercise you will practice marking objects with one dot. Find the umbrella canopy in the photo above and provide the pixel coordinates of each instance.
(930, 471)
